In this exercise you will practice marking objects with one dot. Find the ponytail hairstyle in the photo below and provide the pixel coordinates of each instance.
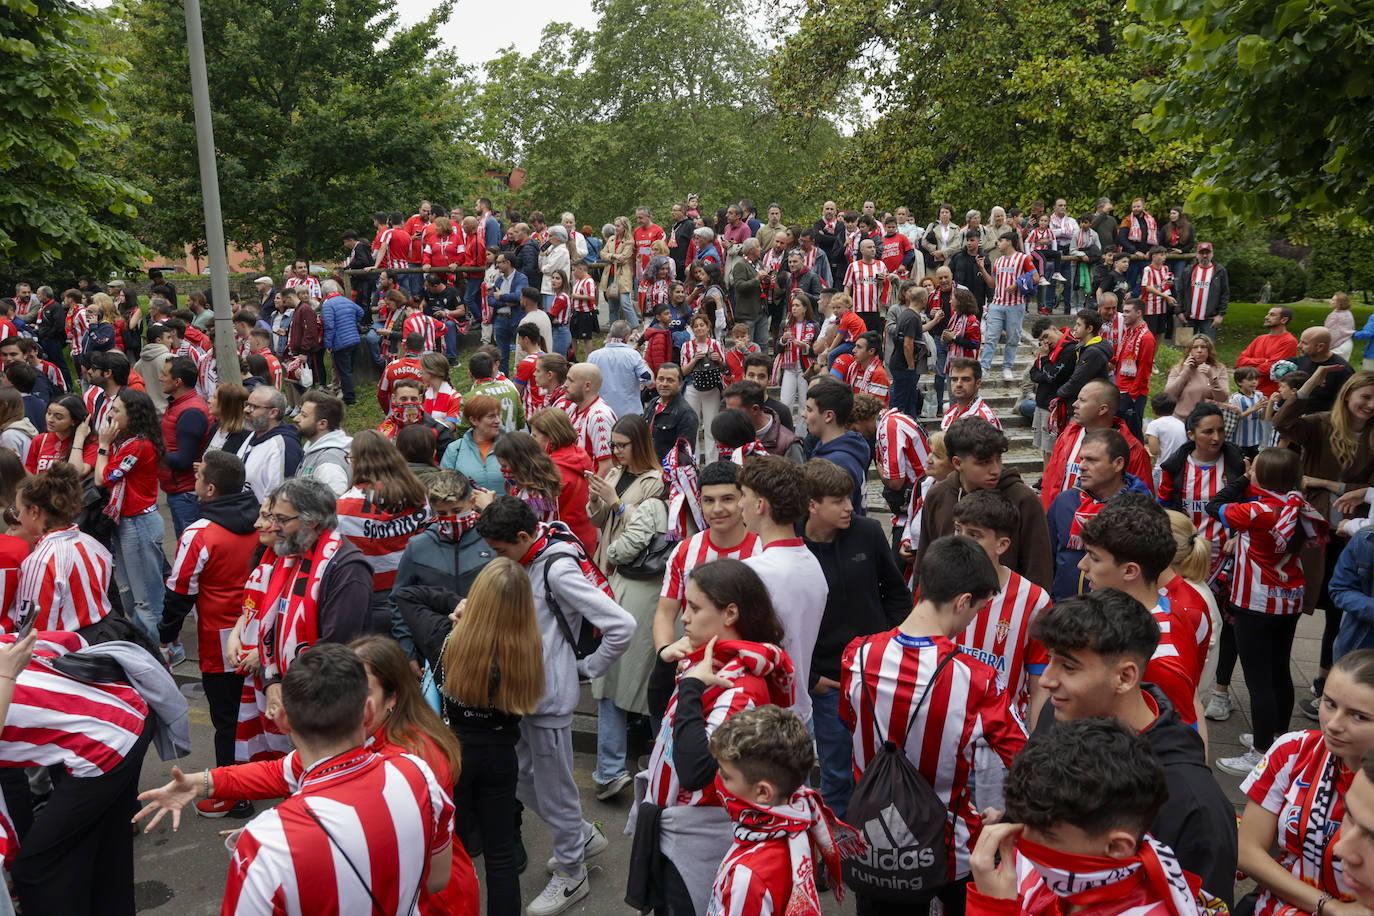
(1193, 557)
(56, 493)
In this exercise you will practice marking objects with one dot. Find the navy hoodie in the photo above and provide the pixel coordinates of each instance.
(851, 452)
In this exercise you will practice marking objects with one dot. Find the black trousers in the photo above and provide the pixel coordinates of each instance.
(677, 900)
(223, 691)
(951, 896)
(1264, 643)
(78, 857)
(484, 802)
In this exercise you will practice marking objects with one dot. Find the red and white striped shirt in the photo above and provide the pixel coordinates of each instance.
(64, 582)
(964, 706)
(1200, 483)
(593, 426)
(54, 719)
(693, 347)
(560, 310)
(211, 565)
(310, 284)
(977, 408)
(866, 282)
(378, 532)
(1190, 606)
(1040, 238)
(273, 367)
(967, 328)
(1112, 330)
(1005, 272)
(584, 287)
(422, 324)
(1000, 635)
(695, 551)
(1267, 579)
(389, 255)
(903, 450)
(1174, 667)
(748, 878)
(531, 395)
(871, 380)
(386, 816)
(1159, 278)
(1200, 283)
(52, 374)
(803, 332)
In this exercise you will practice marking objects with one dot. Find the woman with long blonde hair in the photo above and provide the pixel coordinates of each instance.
(1337, 463)
(488, 661)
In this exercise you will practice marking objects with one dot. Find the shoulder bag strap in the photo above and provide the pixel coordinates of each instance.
(556, 610)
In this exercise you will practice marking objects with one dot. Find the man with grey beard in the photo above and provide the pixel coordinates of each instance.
(319, 588)
(273, 451)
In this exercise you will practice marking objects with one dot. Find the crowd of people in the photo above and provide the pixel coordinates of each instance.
(994, 701)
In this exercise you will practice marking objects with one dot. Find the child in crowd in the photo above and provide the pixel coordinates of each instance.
(743, 348)
(1165, 432)
(782, 827)
(1248, 405)
(1289, 385)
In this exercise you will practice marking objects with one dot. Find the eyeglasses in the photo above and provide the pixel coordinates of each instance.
(251, 406)
(280, 521)
(619, 446)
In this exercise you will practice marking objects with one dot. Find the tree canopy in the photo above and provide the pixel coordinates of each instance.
(1277, 94)
(57, 204)
(324, 110)
(665, 98)
(976, 103)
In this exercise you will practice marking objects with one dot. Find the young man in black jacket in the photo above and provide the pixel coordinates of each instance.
(1093, 359)
(1099, 645)
(867, 595)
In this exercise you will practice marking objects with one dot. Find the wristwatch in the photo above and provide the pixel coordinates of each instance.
(102, 451)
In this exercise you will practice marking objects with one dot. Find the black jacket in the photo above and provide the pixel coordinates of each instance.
(675, 421)
(832, 244)
(1049, 373)
(682, 234)
(526, 260)
(237, 512)
(867, 592)
(1093, 361)
(1218, 292)
(809, 282)
(1198, 822)
(967, 274)
(52, 324)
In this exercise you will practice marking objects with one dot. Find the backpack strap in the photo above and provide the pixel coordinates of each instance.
(555, 609)
(868, 701)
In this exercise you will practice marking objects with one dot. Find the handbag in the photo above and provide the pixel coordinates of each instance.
(707, 374)
(652, 561)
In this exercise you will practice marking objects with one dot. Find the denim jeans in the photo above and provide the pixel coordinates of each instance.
(623, 307)
(906, 392)
(138, 564)
(1133, 274)
(759, 331)
(185, 509)
(562, 339)
(1203, 327)
(450, 338)
(412, 283)
(835, 748)
(941, 353)
(374, 343)
(611, 746)
(1001, 318)
(343, 365)
(503, 330)
(1132, 410)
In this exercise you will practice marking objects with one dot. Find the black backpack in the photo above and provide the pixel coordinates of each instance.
(901, 818)
(588, 638)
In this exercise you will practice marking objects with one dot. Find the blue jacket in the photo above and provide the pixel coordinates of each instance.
(1366, 333)
(518, 281)
(340, 317)
(465, 456)
(1352, 590)
(851, 452)
(1068, 580)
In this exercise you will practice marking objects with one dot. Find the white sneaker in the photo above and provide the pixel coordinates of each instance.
(561, 892)
(596, 844)
(1242, 765)
(1248, 740)
(1220, 705)
(1058, 277)
(1008, 375)
(1043, 282)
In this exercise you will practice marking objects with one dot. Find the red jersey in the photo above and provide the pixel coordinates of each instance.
(420, 323)
(64, 582)
(872, 379)
(1173, 667)
(1200, 483)
(131, 475)
(211, 565)
(963, 706)
(1000, 636)
(405, 367)
(417, 229)
(13, 550)
(1135, 360)
(378, 532)
(441, 251)
(308, 285)
(644, 240)
(849, 326)
(584, 295)
(390, 814)
(695, 551)
(754, 879)
(531, 395)
(977, 408)
(593, 428)
(734, 360)
(44, 450)
(560, 310)
(892, 251)
(1159, 278)
(392, 248)
(53, 374)
(866, 283)
(903, 449)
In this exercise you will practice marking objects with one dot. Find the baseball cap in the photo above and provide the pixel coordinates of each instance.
(1204, 246)
(267, 280)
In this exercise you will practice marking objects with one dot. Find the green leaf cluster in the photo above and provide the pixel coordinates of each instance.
(1278, 95)
(58, 204)
(323, 111)
(975, 104)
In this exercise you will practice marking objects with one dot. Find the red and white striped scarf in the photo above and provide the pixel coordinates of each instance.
(738, 455)
(684, 493)
(1295, 509)
(1083, 881)
(1151, 229)
(812, 832)
(289, 622)
(736, 658)
(550, 532)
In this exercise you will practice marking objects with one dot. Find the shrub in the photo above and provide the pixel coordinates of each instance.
(1249, 268)
(1340, 262)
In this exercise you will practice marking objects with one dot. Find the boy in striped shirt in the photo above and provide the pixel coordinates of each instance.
(1248, 405)
(963, 703)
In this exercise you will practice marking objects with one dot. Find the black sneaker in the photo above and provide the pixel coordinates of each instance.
(1311, 708)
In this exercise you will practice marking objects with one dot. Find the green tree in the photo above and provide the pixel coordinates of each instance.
(975, 103)
(57, 204)
(324, 110)
(663, 99)
(1278, 94)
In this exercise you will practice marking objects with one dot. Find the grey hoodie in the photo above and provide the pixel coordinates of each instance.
(149, 365)
(326, 460)
(578, 599)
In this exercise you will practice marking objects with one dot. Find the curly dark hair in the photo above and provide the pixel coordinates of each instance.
(142, 417)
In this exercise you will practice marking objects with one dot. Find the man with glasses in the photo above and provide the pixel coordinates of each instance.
(273, 451)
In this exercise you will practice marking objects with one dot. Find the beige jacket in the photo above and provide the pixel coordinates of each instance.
(648, 485)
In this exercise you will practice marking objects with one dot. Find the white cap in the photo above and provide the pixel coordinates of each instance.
(267, 280)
